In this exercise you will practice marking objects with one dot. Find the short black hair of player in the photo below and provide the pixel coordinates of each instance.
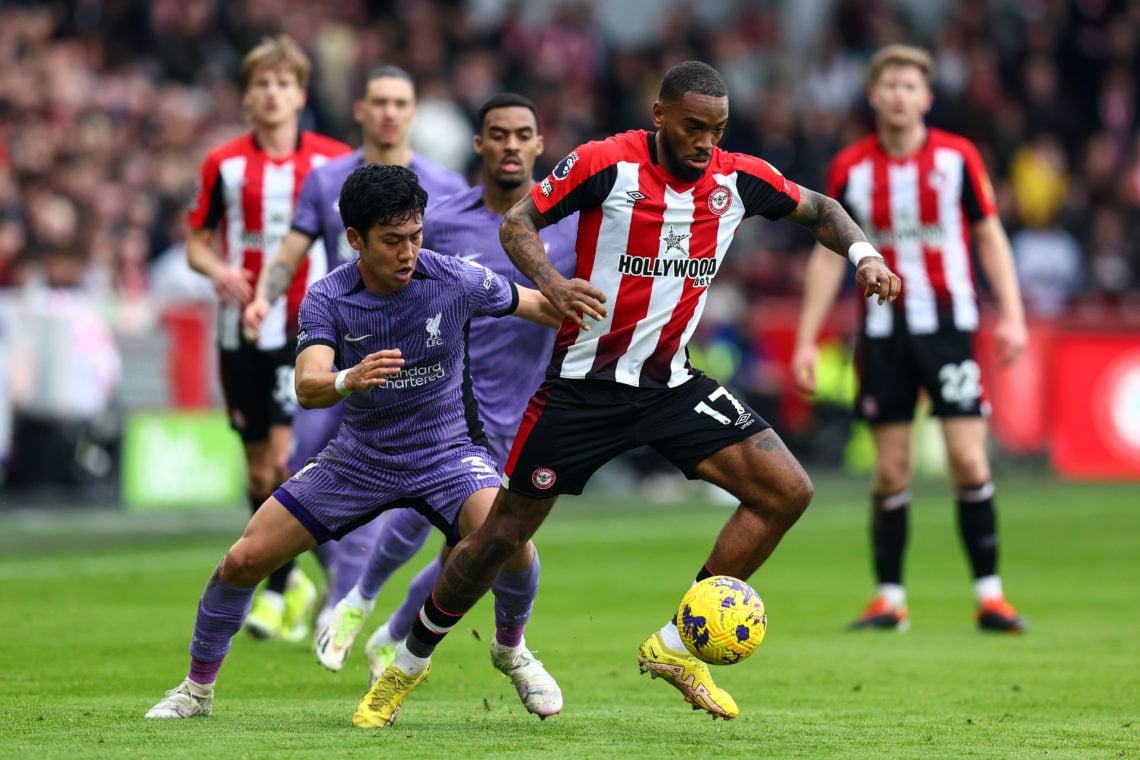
(381, 194)
(504, 100)
(388, 71)
(692, 76)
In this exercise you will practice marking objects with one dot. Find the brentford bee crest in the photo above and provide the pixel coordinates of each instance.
(720, 199)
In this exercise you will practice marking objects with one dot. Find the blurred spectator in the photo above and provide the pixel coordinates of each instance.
(107, 108)
(1048, 261)
(1039, 178)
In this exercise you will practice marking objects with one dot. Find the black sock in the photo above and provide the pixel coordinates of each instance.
(977, 525)
(889, 534)
(704, 573)
(279, 576)
(425, 636)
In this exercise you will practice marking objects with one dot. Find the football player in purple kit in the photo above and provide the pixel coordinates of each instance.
(467, 225)
(396, 320)
(386, 112)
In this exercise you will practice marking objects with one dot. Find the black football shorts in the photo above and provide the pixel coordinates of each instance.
(893, 369)
(573, 427)
(258, 387)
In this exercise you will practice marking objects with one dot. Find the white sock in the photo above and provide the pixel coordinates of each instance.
(987, 587)
(408, 662)
(354, 599)
(200, 690)
(894, 593)
(671, 637)
(383, 637)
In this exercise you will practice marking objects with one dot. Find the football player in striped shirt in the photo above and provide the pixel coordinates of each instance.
(246, 192)
(657, 213)
(921, 194)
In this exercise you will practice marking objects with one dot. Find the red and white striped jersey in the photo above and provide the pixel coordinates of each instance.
(652, 244)
(250, 197)
(917, 211)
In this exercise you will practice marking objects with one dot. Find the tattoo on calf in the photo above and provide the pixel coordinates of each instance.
(457, 577)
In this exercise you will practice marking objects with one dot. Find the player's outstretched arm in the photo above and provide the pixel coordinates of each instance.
(318, 386)
(274, 280)
(832, 226)
(537, 308)
(574, 299)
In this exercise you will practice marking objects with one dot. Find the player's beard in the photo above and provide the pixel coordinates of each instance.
(676, 165)
(509, 183)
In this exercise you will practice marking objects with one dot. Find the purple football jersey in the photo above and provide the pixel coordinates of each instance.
(429, 406)
(317, 213)
(508, 356)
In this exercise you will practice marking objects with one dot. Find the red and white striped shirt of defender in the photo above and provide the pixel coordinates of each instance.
(652, 244)
(917, 212)
(250, 197)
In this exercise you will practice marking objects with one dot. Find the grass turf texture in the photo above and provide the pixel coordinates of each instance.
(93, 636)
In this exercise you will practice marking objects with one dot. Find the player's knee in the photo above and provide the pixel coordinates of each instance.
(242, 567)
(500, 541)
(799, 491)
(970, 467)
(891, 475)
(261, 480)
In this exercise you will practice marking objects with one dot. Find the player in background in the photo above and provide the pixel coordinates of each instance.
(921, 194)
(396, 319)
(658, 211)
(386, 113)
(467, 225)
(246, 195)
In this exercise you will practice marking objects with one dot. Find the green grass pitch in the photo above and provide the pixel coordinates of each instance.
(96, 627)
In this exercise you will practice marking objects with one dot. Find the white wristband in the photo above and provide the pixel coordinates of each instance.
(861, 250)
(340, 383)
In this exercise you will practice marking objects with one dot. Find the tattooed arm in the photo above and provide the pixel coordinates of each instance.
(575, 299)
(834, 228)
(274, 280)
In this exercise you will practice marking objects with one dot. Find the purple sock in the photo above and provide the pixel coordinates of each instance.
(221, 611)
(514, 602)
(400, 622)
(204, 672)
(401, 536)
(351, 557)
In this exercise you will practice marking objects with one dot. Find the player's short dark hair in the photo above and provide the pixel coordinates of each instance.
(692, 76)
(388, 71)
(504, 100)
(380, 194)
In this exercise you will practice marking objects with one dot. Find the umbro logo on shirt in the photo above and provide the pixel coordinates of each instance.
(634, 197)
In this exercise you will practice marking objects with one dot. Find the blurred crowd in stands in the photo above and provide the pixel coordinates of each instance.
(108, 106)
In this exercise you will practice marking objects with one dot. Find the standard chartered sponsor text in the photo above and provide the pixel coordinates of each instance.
(414, 377)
